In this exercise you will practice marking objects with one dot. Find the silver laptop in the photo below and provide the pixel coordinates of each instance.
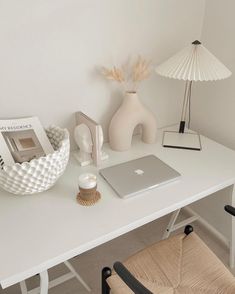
(135, 176)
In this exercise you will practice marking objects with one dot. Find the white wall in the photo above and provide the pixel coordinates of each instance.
(213, 109)
(214, 102)
(51, 52)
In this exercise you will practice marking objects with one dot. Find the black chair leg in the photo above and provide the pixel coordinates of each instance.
(188, 229)
(106, 272)
(230, 209)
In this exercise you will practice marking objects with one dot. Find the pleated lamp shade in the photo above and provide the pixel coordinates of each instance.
(194, 63)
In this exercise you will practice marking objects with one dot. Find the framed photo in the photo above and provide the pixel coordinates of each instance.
(94, 128)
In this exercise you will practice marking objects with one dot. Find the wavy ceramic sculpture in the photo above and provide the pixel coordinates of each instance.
(131, 113)
(39, 174)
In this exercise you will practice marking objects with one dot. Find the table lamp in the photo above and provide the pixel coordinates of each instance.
(193, 63)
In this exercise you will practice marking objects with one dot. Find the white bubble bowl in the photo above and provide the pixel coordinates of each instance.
(40, 174)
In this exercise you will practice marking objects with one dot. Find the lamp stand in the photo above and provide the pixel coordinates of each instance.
(182, 139)
(187, 96)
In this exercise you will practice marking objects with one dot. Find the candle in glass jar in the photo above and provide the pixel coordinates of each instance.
(87, 181)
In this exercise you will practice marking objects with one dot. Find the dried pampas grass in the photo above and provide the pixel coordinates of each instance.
(129, 77)
(141, 70)
(115, 74)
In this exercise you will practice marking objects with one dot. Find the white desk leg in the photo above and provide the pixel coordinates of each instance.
(77, 276)
(232, 240)
(44, 282)
(171, 224)
(23, 287)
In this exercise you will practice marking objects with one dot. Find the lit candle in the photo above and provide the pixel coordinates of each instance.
(87, 181)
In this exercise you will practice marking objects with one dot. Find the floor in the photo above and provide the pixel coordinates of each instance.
(90, 263)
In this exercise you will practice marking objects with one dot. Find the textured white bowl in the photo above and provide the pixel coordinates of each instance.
(39, 174)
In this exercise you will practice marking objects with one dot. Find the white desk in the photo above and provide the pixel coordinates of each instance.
(41, 231)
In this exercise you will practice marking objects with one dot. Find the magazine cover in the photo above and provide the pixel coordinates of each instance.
(22, 140)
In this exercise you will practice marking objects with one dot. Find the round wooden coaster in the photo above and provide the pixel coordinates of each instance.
(88, 202)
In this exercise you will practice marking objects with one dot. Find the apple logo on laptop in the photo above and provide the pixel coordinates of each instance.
(139, 172)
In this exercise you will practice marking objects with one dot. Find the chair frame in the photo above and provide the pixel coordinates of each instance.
(128, 278)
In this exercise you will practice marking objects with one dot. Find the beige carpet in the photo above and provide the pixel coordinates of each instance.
(90, 263)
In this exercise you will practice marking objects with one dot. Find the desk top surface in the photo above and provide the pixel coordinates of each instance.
(43, 230)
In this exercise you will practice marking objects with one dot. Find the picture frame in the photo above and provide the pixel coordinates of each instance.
(94, 127)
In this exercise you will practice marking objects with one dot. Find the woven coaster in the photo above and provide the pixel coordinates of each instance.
(88, 202)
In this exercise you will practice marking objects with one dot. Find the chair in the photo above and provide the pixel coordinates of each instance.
(181, 264)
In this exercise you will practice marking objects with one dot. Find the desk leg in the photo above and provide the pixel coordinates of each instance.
(23, 287)
(171, 224)
(232, 240)
(44, 282)
(77, 276)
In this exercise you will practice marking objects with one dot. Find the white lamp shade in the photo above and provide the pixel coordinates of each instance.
(194, 63)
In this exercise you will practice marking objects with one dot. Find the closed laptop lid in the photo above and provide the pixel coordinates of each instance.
(130, 178)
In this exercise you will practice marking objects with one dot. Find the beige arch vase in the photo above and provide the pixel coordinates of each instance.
(130, 114)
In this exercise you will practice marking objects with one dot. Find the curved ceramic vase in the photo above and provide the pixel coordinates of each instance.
(130, 114)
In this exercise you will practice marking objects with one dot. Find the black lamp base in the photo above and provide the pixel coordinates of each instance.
(187, 140)
(182, 127)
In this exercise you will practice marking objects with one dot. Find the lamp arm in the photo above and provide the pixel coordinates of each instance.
(187, 95)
